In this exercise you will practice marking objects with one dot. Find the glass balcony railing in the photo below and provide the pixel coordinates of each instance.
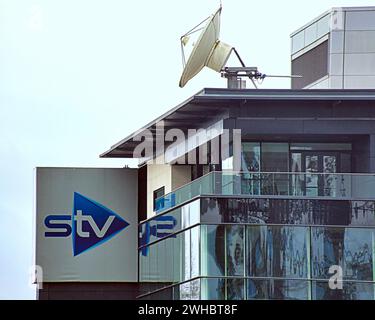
(329, 185)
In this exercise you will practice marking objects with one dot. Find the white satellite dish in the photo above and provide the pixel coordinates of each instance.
(209, 51)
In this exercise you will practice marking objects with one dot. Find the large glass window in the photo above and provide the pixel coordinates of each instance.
(275, 158)
(189, 290)
(250, 165)
(222, 289)
(235, 248)
(259, 289)
(298, 41)
(277, 251)
(213, 250)
(213, 289)
(350, 248)
(350, 291)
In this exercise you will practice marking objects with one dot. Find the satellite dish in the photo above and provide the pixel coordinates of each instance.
(208, 51)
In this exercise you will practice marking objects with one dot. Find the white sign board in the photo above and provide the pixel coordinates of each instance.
(86, 224)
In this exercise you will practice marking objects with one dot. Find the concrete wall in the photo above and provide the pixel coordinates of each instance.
(168, 176)
(158, 176)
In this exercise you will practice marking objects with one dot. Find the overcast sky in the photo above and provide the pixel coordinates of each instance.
(77, 76)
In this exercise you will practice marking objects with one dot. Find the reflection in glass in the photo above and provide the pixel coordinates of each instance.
(235, 250)
(297, 179)
(363, 213)
(259, 289)
(212, 289)
(250, 165)
(189, 290)
(275, 158)
(350, 291)
(329, 166)
(289, 289)
(311, 164)
(350, 248)
(235, 289)
(277, 251)
(212, 250)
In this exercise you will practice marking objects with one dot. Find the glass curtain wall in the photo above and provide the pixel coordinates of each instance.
(258, 158)
(245, 261)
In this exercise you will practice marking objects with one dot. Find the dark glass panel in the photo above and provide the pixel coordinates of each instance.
(288, 211)
(235, 289)
(277, 251)
(235, 247)
(349, 291)
(272, 289)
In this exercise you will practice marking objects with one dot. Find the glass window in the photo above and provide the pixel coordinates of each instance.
(160, 227)
(350, 248)
(189, 290)
(250, 157)
(257, 289)
(277, 289)
(289, 289)
(275, 158)
(194, 252)
(157, 194)
(311, 34)
(250, 165)
(213, 250)
(323, 26)
(235, 289)
(235, 247)
(277, 251)
(350, 291)
(363, 213)
(298, 41)
(223, 289)
(298, 180)
(190, 214)
(213, 289)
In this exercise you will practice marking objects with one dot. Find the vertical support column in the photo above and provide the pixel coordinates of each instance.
(372, 153)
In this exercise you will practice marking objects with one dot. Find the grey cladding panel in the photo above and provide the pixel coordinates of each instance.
(312, 66)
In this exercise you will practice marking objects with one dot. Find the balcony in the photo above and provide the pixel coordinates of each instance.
(283, 184)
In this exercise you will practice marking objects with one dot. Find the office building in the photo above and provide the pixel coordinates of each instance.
(240, 193)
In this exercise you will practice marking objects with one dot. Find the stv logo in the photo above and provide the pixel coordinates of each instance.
(90, 224)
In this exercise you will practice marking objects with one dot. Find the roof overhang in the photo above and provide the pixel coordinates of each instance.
(211, 105)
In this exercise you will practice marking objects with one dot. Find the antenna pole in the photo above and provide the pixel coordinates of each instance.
(243, 65)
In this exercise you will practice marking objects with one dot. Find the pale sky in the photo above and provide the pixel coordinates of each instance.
(77, 76)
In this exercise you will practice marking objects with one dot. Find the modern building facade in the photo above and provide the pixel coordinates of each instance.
(268, 195)
(336, 50)
(302, 202)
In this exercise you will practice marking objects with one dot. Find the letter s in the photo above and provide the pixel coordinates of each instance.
(50, 223)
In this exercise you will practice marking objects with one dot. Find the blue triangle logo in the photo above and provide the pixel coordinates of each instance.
(93, 224)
